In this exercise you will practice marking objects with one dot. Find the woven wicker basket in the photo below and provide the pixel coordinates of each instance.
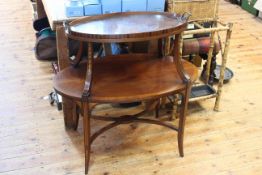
(199, 9)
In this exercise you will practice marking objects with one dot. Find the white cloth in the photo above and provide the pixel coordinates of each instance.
(258, 5)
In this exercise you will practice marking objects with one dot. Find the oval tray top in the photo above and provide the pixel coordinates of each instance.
(126, 27)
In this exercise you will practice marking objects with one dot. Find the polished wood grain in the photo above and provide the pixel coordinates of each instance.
(33, 139)
(122, 27)
(125, 78)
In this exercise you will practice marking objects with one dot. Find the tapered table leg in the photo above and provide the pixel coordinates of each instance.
(63, 62)
(86, 126)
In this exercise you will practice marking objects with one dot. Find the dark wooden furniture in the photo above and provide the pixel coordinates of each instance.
(126, 78)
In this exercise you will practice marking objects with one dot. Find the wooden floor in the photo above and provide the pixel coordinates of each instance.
(33, 140)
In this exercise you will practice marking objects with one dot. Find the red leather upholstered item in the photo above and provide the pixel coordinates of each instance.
(198, 46)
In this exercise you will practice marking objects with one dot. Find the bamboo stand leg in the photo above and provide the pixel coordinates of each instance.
(223, 67)
(210, 54)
